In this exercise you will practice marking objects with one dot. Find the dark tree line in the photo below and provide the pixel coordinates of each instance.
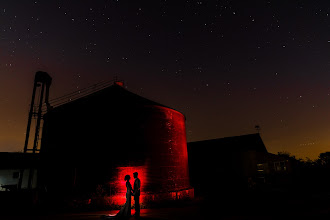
(310, 175)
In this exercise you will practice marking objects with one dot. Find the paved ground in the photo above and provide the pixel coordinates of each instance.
(179, 213)
(191, 212)
(266, 207)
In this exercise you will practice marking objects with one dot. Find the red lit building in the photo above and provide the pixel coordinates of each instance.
(90, 144)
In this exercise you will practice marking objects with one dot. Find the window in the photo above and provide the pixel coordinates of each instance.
(280, 166)
(260, 167)
(283, 165)
(277, 166)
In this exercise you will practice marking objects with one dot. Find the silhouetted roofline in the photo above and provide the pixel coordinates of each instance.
(116, 88)
(229, 137)
(15, 160)
(233, 142)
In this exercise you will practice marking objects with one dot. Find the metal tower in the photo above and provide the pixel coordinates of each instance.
(42, 82)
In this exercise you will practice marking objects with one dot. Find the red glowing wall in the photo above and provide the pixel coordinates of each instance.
(168, 165)
(165, 166)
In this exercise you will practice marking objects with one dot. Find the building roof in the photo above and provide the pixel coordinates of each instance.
(249, 142)
(12, 160)
(114, 94)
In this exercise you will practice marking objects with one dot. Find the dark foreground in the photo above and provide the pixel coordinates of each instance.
(270, 205)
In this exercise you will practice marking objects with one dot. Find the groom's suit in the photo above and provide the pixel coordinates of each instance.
(136, 190)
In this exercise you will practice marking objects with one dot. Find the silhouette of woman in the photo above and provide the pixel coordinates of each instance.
(125, 211)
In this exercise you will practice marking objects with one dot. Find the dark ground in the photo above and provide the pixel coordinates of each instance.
(275, 204)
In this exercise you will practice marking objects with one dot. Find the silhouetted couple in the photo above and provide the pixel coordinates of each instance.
(125, 211)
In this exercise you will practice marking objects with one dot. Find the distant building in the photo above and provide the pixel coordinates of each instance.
(233, 160)
(12, 165)
(238, 162)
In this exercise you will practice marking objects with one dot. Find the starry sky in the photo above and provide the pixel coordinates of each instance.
(227, 65)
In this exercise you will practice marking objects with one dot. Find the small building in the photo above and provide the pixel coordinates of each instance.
(11, 167)
(231, 160)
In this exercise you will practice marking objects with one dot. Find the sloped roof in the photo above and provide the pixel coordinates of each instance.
(11, 160)
(112, 94)
(249, 142)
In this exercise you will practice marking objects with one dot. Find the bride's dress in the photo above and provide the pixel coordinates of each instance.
(125, 211)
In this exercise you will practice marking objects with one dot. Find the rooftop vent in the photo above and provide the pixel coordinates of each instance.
(119, 83)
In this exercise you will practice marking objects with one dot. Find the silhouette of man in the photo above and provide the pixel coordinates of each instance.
(136, 194)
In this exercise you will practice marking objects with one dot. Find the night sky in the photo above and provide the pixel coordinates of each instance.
(226, 65)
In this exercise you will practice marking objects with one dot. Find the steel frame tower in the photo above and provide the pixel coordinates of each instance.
(42, 82)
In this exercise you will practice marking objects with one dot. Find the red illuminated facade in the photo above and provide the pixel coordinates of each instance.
(168, 162)
(165, 171)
